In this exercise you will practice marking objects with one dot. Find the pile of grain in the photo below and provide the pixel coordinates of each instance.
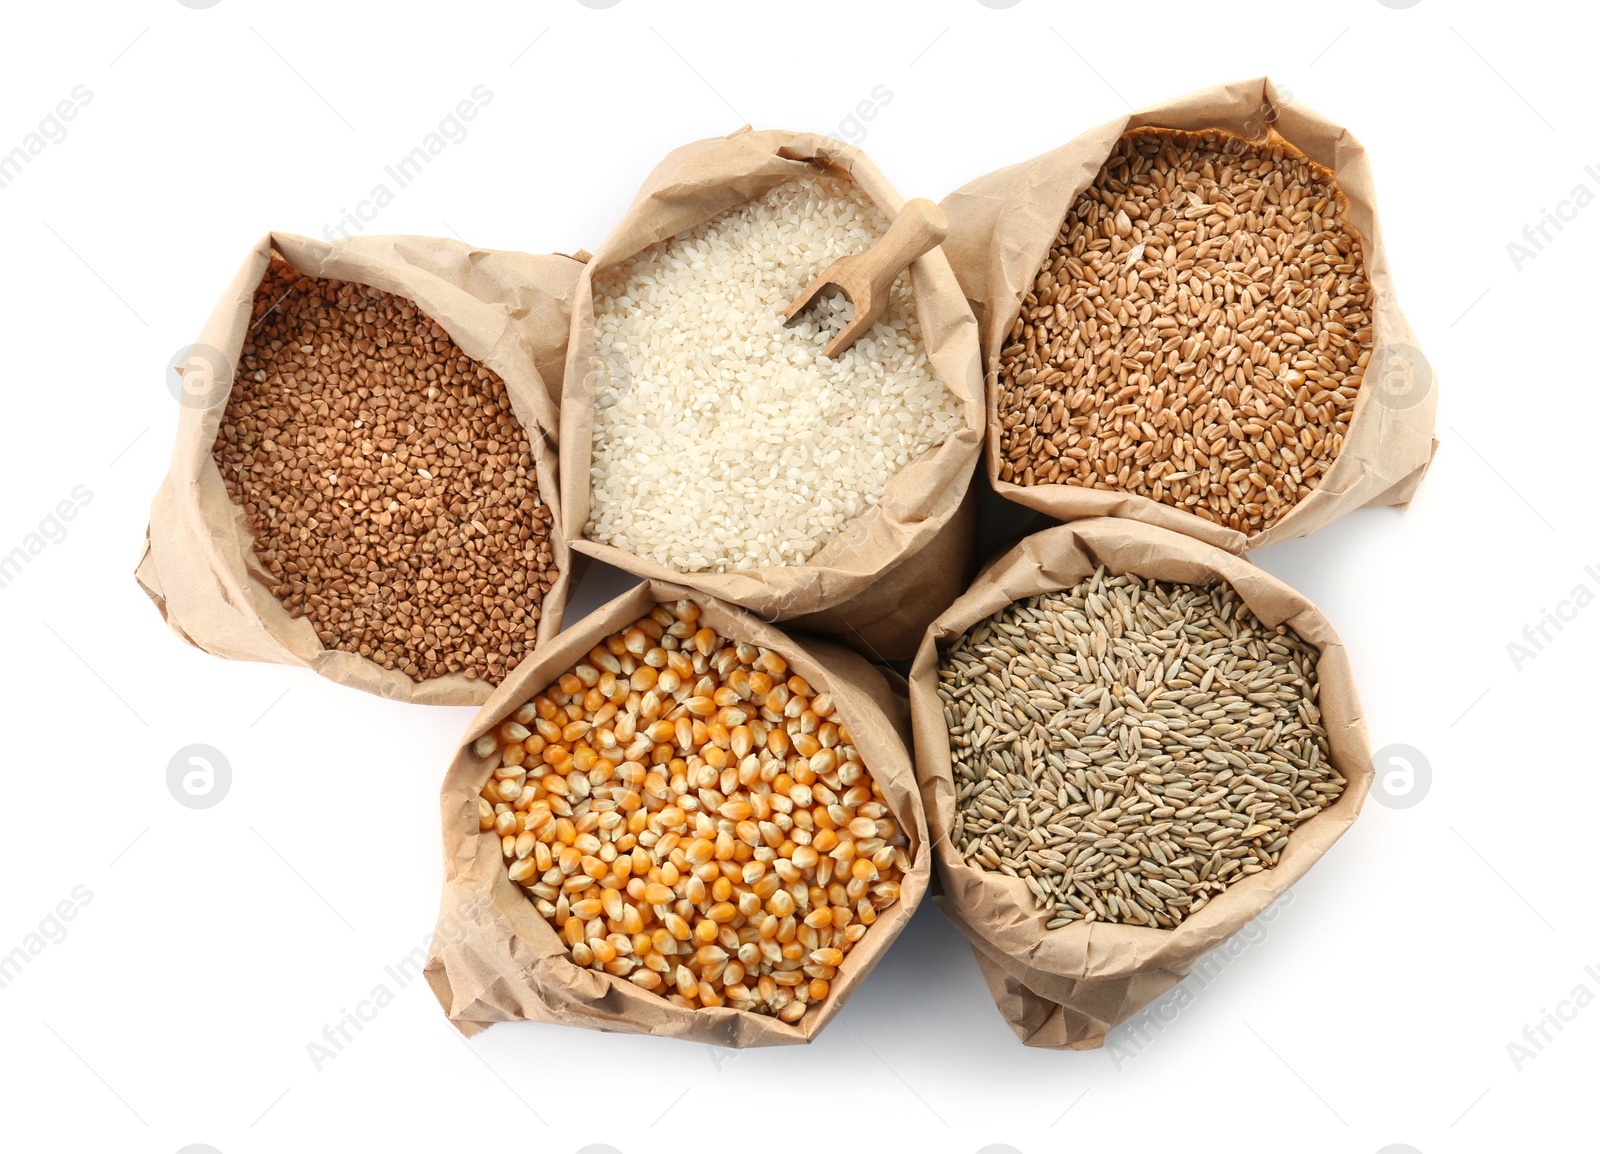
(1197, 333)
(1130, 748)
(388, 485)
(694, 818)
(723, 439)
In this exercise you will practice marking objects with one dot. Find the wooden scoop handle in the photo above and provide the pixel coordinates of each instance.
(919, 227)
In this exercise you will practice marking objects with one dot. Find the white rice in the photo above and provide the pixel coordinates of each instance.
(723, 439)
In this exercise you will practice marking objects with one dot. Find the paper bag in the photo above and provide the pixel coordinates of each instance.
(1002, 226)
(914, 548)
(495, 959)
(506, 310)
(1064, 988)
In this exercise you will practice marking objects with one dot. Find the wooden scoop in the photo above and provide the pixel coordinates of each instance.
(867, 276)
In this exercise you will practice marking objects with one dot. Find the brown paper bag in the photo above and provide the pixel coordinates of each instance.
(1066, 987)
(1002, 225)
(495, 959)
(507, 310)
(912, 548)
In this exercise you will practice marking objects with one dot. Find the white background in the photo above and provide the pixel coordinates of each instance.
(218, 943)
